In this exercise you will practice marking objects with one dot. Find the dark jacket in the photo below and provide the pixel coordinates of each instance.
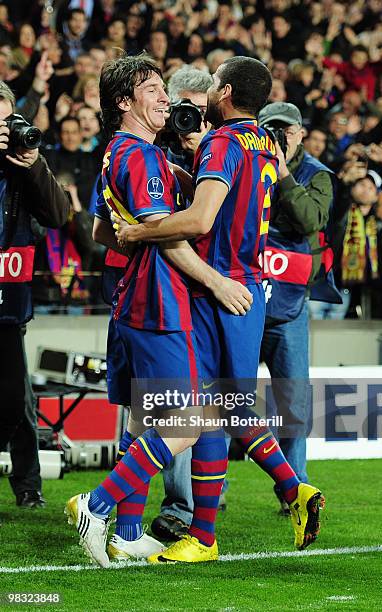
(24, 193)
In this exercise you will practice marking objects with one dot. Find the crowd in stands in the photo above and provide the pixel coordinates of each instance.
(325, 57)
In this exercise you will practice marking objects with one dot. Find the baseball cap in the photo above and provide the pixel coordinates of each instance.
(284, 112)
(374, 176)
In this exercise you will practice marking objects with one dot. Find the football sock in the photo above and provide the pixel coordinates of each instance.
(208, 469)
(262, 447)
(145, 457)
(130, 510)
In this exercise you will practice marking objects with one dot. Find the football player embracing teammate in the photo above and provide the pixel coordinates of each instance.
(235, 171)
(150, 332)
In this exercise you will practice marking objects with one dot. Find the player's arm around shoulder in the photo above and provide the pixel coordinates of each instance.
(196, 220)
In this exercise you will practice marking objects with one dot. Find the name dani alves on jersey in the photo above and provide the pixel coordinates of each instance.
(249, 141)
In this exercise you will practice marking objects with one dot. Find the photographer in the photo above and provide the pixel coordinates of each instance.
(300, 209)
(27, 188)
(191, 84)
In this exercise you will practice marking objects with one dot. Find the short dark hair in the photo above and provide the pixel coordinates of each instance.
(118, 79)
(73, 11)
(66, 119)
(250, 80)
(360, 48)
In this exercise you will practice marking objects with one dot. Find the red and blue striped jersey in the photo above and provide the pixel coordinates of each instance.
(136, 182)
(241, 155)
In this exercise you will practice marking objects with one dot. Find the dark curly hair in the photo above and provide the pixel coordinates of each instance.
(118, 79)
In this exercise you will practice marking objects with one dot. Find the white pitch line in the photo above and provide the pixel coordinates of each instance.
(318, 552)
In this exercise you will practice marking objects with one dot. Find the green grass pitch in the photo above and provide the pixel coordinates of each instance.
(339, 581)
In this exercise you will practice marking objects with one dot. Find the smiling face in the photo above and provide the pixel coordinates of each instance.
(145, 112)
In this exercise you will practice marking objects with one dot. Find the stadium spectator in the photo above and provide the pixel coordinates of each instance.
(157, 46)
(7, 29)
(315, 142)
(362, 245)
(136, 33)
(21, 54)
(115, 34)
(98, 55)
(280, 70)
(177, 40)
(86, 91)
(338, 139)
(195, 47)
(74, 32)
(261, 37)
(92, 10)
(62, 255)
(278, 91)
(67, 157)
(359, 73)
(90, 129)
(286, 42)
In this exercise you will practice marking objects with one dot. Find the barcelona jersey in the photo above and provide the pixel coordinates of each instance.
(136, 182)
(242, 156)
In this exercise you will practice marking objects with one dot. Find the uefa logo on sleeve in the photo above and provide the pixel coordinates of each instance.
(155, 188)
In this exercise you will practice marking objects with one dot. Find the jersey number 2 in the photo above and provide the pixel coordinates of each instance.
(268, 171)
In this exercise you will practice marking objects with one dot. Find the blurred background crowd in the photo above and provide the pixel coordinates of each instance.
(325, 57)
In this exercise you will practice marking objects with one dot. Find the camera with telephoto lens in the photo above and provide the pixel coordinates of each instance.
(22, 134)
(277, 134)
(185, 117)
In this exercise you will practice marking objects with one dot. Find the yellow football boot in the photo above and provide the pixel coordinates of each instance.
(186, 550)
(305, 515)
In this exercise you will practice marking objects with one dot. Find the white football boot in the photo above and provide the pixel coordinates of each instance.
(120, 550)
(92, 530)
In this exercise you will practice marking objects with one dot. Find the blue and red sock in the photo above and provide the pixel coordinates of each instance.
(130, 510)
(208, 469)
(145, 457)
(262, 447)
